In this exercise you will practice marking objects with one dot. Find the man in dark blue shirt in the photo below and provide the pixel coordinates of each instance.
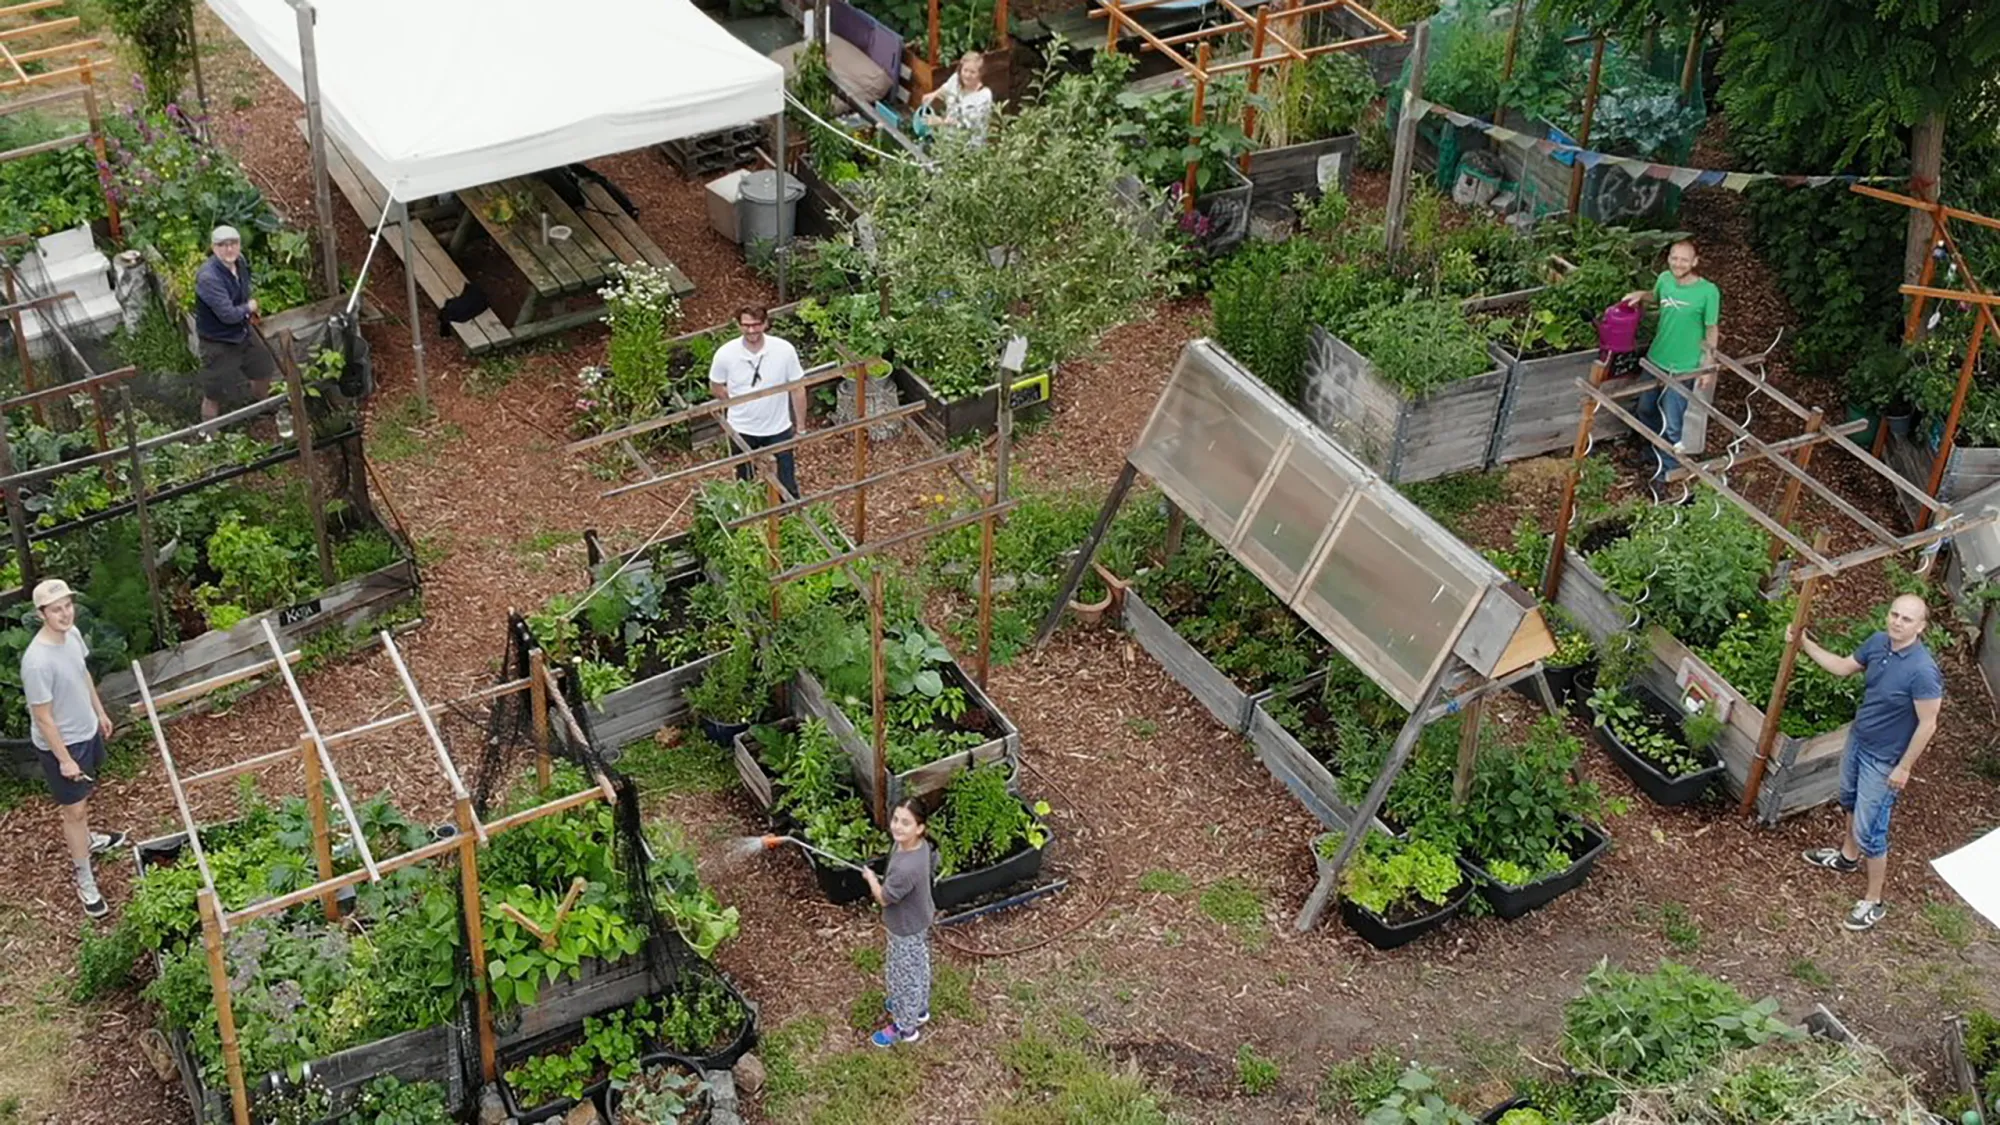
(232, 362)
(1895, 722)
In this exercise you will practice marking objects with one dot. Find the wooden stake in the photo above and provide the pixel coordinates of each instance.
(96, 117)
(1200, 109)
(225, 1012)
(1589, 113)
(881, 724)
(1257, 40)
(1782, 686)
(936, 59)
(1552, 574)
(985, 598)
(1913, 324)
(1111, 19)
(1176, 528)
(1468, 748)
(860, 457)
(1693, 59)
(308, 459)
(17, 514)
(322, 186)
(475, 935)
(1507, 60)
(538, 709)
(1086, 553)
(1965, 371)
(321, 834)
(1790, 503)
(1406, 142)
(773, 497)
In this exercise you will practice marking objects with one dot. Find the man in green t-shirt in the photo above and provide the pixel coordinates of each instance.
(1683, 342)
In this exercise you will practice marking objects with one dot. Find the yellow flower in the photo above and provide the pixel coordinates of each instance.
(939, 498)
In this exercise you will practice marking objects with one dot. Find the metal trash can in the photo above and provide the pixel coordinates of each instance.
(757, 206)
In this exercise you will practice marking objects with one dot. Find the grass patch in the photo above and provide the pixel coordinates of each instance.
(546, 541)
(1361, 1082)
(38, 1028)
(1144, 728)
(1063, 1082)
(782, 1049)
(1950, 922)
(1803, 969)
(691, 764)
(951, 994)
(1447, 499)
(408, 430)
(1162, 882)
(867, 1012)
(863, 1086)
(1680, 928)
(1238, 905)
(1255, 1074)
(491, 374)
(867, 958)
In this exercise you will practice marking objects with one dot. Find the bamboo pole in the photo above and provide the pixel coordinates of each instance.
(322, 837)
(1767, 737)
(1589, 114)
(434, 710)
(1552, 573)
(225, 1011)
(538, 704)
(1112, 502)
(96, 118)
(1256, 75)
(823, 373)
(475, 932)
(772, 499)
(1200, 109)
(881, 716)
(1789, 504)
(173, 778)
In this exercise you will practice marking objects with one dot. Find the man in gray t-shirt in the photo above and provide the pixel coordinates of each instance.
(68, 726)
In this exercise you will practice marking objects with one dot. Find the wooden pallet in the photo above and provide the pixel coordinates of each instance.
(437, 275)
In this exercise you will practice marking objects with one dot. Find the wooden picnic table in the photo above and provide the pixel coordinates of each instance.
(555, 268)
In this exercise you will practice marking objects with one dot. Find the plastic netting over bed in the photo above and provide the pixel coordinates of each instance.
(1365, 567)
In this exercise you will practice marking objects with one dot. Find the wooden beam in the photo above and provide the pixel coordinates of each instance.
(423, 712)
(378, 725)
(174, 780)
(1969, 297)
(1767, 736)
(225, 1012)
(867, 549)
(803, 439)
(1924, 205)
(232, 769)
(1822, 436)
(790, 506)
(319, 744)
(19, 105)
(825, 373)
(190, 691)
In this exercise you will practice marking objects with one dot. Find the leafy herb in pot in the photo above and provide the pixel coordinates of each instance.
(1643, 733)
(1395, 879)
(981, 822)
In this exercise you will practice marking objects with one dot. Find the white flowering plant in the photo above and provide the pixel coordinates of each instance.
(642, 313)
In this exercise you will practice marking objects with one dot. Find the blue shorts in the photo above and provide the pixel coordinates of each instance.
(1865, 792)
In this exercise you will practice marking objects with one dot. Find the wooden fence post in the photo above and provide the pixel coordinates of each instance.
(1406, 141)
(225, 1011)
(475, 935)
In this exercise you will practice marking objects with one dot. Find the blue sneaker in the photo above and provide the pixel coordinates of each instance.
(890, 1035)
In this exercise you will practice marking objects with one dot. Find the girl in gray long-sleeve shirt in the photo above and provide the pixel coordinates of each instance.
(907, 911)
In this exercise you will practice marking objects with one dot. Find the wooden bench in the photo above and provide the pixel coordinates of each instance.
(618, 230)
(437, 275)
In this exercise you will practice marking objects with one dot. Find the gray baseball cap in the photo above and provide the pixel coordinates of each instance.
(224, 234)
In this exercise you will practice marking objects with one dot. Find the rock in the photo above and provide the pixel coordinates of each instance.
(492, 1111)
(722, 1088)
(583, 1113)
(749, 1075)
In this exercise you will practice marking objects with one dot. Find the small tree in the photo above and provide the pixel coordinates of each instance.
(1025, 233)
(160, 35)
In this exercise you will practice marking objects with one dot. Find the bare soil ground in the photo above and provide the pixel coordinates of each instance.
(1141, 780)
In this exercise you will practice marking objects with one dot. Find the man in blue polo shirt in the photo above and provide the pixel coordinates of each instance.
(1896, 719)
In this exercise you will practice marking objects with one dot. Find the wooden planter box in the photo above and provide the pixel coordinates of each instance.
(1231, 705)
(750, 769)
(1281, 173)
(1803, 773)
(975, 413)
(1962, 1076)
(1228, 212)
(1385, 60)
(1541, 405)
(809, 700)
(1450, 430)
(1291, 763)
(1966, 472)
(429, 1054)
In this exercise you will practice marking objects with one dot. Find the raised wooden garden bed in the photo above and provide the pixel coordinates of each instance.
(429, 1054)
(1447, 431)
(1541, 405)
(1281, 173)
(1230, 705)
(1966, 472)
(809, 700)
(1802, 774)
(975, 413)
(1293, 765)
(1963, 1077)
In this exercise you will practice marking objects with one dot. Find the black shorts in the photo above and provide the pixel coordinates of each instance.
(228, 370)
(89, 757)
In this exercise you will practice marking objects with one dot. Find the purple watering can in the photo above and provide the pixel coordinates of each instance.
(1618, 329)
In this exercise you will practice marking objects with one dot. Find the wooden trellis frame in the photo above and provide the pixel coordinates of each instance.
(1118, 18)
(991, 504)
(78, 49)
(1792, 456)
(312, 752)
(1923, 293)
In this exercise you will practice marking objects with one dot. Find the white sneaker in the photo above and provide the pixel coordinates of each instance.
(1680, 447)
(101, 842)
(93, 902)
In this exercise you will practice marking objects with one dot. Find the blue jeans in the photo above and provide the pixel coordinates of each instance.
(788, 473)
(1663, 410)
(1865, 792)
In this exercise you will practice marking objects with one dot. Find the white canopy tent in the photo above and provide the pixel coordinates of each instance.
(433, 96)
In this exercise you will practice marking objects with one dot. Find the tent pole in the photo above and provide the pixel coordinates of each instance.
(1087, 552)
(416, 321)
(784, 228)
(316, 140)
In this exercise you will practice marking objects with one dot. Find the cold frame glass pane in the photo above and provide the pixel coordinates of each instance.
(1393, 598)
(1209, 443)
(1306, 494)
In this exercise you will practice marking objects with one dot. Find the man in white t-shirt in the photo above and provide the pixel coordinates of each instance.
(756, 362)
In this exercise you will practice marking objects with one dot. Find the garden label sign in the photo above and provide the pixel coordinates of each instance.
(293, 614)
(1698, 686)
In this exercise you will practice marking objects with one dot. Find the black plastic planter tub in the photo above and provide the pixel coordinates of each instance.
(842, 885)
(1512, 902)
(966, 886)
(722, 734)
(1571, 686)
(549, 1111)
(1494, 1115)
(1384, 934)
(616, 1094)
(746, 1036)
(1658, 787)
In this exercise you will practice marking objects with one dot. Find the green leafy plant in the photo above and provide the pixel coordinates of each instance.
(1660, 1027)
(815, 787)
(731, 690)
(1420, 346)
(1419, 1099)
(982, 822)
(1694, 569)
(661, 1094)
(104, 962)
(1641, 732)
(1388, 876)
(1255, 1074)
(389, 1100)
(159, 34)
(1228, 614)
(641, 311)
(610, 1048)
(701, 1016)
